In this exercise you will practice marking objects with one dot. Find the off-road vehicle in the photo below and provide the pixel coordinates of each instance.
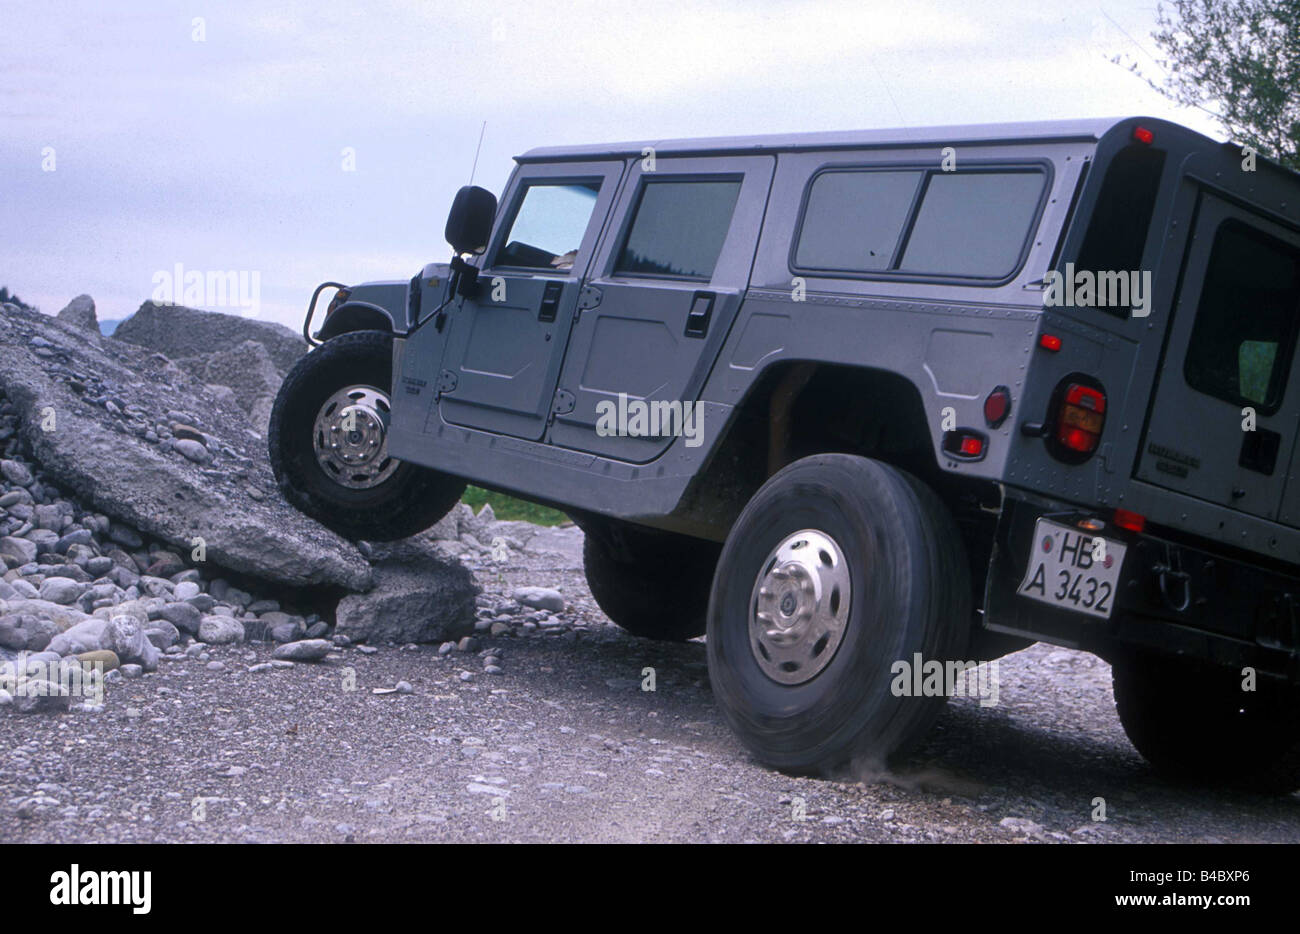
(958, 390)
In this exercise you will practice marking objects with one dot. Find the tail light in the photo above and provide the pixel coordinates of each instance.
(1080, 418)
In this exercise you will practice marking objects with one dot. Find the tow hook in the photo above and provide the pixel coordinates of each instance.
(1171, 571)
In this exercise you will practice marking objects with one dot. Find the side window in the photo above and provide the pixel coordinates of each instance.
(854, 220)
(1246, 322)
(973, 224)
(678, 228)
(547, 229)
(919, 222)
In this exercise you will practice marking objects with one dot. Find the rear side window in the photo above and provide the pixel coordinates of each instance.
(678, 228)
(1244, 335)
(973, 224)
(548, 227)
(968, 225)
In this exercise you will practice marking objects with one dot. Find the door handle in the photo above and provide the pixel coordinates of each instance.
(550, 301)
(697, 319)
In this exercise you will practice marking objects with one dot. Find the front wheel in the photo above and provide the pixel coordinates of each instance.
(1198, 725)
(328, 443)
(840, 570)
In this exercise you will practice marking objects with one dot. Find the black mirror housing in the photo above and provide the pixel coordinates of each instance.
(469, 223)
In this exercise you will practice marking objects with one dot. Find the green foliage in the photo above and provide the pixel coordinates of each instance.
(7, 296)
(1239, 61)
(509, 508)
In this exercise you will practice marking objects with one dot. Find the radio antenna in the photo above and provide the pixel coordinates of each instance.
(474, 168)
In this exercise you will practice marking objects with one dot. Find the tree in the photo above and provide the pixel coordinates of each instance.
(1239, 61)
(7, 296)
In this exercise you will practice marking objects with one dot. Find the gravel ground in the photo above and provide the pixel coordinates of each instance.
(564, 745)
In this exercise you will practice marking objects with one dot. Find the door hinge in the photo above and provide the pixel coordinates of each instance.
(588, 298)
(446, 382)
(564, 402)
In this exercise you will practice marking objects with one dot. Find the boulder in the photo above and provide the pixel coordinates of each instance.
(106, 397)
(221, 630)
(305, 650)
(179, 332)
(80, 312)
(419, 597)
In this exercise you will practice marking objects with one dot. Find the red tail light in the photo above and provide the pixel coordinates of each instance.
(1143, 135)
(1080, 419)
(1132, 521)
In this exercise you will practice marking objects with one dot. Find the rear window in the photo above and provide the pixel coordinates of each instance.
(1244, 335)
(679, 228)
(968, 225)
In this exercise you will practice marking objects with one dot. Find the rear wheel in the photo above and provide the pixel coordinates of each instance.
(1195, 724)
(652, 584)
(328, 444)
(839, 568)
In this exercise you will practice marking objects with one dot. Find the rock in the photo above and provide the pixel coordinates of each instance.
(404, 687)
(80, 313)
(250, 372)
(132, 671)
(184, 616)
(41, 696)
(220, 630)
(1021, 825)
(150, 489)
(162, 633)
(193, 450)
(541, 598)
(419, 597)
(104, 657)
(125, 636)
(306, 650)
(187, 589)
(83, 637)
(16, 472)
(19, 549)
(26, 631)
(181, 332)
(61, 590)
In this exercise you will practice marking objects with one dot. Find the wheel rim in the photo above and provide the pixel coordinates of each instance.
(350, 437)
(799, 608)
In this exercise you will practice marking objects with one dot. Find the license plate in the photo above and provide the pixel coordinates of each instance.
(1072, 569)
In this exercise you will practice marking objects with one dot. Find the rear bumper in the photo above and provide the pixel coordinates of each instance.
(1175, 597)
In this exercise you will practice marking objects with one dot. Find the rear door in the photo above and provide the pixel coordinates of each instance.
(505, 346)
(1229, 366)
(665, 287)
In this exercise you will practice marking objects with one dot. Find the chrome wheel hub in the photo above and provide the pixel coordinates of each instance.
(799, 608)
(351, 438)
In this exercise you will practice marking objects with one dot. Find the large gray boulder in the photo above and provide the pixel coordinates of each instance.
(419, 597)
(102, 417)
(80, 312)
(248, 371)
(177, 332)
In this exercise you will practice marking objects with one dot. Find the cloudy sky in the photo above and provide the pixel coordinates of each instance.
(217, 135)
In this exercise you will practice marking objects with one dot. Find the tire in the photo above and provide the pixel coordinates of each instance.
(908, 592)
(1196, 725)
(402, 499)
(651, 584)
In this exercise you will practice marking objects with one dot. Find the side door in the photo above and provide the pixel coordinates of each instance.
(505, 346)
(1229, 366)
(665, 287)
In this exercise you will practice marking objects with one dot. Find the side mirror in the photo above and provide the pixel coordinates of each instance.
(469, 223)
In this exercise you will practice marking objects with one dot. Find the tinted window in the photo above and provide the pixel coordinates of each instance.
(1245, 329)
(1121, 218)
(548, 228)
(973, 224)
(853, 220)
(679, 228)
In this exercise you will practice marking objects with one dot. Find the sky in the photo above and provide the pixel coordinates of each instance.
(302, 142)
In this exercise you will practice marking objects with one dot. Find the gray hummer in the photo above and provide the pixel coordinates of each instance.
(868, 408)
